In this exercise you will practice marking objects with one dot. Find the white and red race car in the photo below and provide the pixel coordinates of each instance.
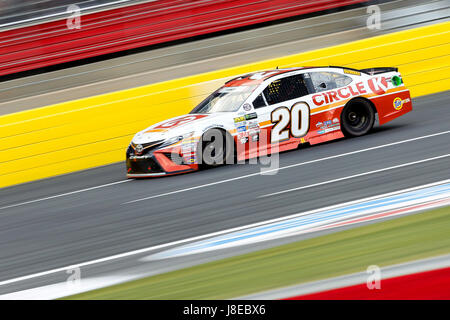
(270, 111)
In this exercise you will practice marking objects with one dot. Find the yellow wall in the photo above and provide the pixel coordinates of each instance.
(95, 131)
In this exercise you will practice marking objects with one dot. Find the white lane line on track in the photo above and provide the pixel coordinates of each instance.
(310, 222)
(226, 180)
(64, 194)
(289, 166)
(355, 175)
(213, 234)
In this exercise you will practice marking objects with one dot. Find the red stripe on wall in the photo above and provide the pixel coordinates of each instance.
(430, 285)
(140, 25)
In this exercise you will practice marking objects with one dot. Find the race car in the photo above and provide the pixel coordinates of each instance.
(269, 111)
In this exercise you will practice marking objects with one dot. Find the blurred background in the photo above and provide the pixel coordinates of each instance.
(46, 47)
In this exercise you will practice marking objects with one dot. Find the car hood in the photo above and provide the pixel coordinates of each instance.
(175, 126)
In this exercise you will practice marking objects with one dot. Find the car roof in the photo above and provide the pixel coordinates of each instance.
(256, 78)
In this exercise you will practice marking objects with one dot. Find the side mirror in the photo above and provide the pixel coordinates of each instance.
(323, 85)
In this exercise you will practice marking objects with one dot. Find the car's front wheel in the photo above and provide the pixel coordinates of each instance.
(217, 148)
(357, 118)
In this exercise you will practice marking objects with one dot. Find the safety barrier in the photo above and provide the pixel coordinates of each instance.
(95, 131)
(140, 25)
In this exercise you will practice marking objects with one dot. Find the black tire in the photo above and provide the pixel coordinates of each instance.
(211, 155)
(357, 118)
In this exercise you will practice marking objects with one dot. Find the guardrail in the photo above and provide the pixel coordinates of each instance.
(140, 25)
(95, 131)
(16, 14)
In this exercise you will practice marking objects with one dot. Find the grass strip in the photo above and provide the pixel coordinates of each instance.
(390, 242)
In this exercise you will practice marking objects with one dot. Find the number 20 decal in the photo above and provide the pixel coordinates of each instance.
(297, 117)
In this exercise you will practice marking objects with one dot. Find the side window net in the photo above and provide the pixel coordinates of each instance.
(285, 89)
(272, 92)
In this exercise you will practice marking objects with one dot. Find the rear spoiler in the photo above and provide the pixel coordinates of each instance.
(379, 70)
(369, 71)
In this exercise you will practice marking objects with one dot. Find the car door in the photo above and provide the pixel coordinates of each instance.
(281, 110)
(326, 87)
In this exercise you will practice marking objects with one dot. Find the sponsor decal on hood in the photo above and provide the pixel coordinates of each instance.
(169, 124)
(169, 128)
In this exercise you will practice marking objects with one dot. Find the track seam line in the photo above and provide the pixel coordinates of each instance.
(64, 194)
(223, 181)
(221, 232)
(356, 175)
(287, 167)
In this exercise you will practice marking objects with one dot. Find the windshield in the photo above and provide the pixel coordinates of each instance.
(226, 99)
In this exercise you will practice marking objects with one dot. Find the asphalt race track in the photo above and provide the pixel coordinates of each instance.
(39, 234)
(213, 53)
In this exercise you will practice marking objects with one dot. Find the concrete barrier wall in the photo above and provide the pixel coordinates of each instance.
(140, 25)
(95, 131)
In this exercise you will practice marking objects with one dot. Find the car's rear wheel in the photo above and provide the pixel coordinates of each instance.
(357, 118)
(217, 148)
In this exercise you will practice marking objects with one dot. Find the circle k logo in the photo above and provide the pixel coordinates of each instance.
(378, 85)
